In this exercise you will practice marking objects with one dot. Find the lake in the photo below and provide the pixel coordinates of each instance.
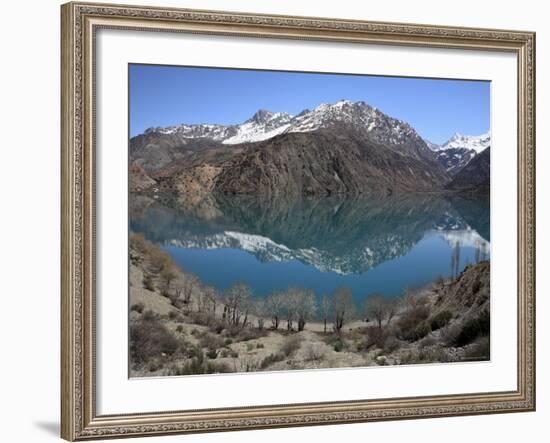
(370, 244)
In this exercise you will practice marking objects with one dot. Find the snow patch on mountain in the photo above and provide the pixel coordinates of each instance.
(266, 124)
(477, 143)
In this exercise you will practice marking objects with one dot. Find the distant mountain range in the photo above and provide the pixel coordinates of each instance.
(459, 150)
(341, 148)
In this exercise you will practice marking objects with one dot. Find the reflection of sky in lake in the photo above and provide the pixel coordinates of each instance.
(430, 258)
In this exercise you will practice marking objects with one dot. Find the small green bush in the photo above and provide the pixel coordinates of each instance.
(411, 323)
(259, 345)
(421, 331)
(339, 346)
(440, 320)
(474, 328)
(212, 354)
(179, 328)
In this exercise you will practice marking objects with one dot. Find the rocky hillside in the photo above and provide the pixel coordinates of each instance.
(324, 163)
(340, 148)
(469, 293)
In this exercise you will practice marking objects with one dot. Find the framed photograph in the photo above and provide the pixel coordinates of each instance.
(282, 221)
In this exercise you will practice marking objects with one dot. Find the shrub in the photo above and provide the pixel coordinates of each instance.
(412, 324)
(137, 307)
(179, 328)
(339, 346)
(259, 345)
(314, 352)
(249, 347)
(391, 344)
(216, 326)
(291, 345)
(375, 337)
(450, 333)
(227, 341)
(191, 351)
(212, 354)
(426, 342)
(212, 342)
(272, 358)
(440, 320)
(246, 334)
(198, 365)
(474, 328)
(148, 282)
(480, 349)
(421, 331)
(149, 338)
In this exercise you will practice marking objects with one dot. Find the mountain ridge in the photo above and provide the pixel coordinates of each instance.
(343, 147)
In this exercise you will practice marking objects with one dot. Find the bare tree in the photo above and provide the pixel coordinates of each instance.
(166, 276)
(326, 306)
(211, 297)
(260, 311)
(158, 260)
(237, 304)
(380, 308)
(305, 306)
(185, 291)
(455, 260)
(290, 297)
(344, 308)
(274, 305)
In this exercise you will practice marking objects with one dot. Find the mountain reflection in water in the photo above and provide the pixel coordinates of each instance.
(369, 244)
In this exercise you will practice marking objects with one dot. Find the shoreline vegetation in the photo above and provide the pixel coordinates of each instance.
(181, 326)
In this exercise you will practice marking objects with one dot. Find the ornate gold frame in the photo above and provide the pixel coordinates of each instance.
(79, 23)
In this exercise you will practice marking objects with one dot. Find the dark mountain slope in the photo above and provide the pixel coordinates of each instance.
(475, 176)
(324, 162)
(154, 151)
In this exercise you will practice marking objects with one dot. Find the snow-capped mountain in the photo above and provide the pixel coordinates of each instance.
(266, 124)
(459, 150)
(477, 143)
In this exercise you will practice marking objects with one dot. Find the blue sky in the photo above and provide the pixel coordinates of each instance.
(168, 95)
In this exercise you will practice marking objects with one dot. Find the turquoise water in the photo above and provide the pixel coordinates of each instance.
(370, 245)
